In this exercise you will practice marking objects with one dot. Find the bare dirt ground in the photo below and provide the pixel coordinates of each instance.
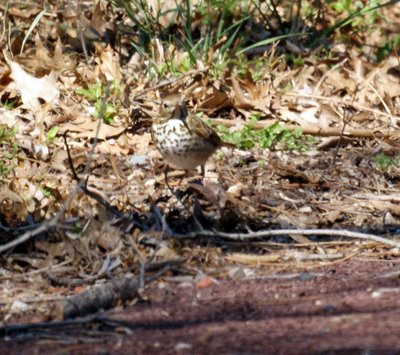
(345, 308)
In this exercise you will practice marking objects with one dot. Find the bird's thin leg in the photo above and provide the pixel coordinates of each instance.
(166, 179)
(171, 190)
(181, 179)
(203, 174)
(174, 193)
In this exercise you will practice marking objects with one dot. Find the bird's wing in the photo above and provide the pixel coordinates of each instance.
(200, 128)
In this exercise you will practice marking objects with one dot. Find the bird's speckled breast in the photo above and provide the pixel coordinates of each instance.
(179, 146)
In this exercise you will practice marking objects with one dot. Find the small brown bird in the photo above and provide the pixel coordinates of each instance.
(185, 141)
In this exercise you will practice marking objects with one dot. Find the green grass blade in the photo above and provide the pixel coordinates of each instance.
(31, 27)
(271, 40)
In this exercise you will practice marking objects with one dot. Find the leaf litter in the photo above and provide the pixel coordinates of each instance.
(339, 186)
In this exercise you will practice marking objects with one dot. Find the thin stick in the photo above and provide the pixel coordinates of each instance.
(315, 130)
(346, 120)
(169, 82)
(279, 232)
(35, 272)
(337, 101)
(4, 23)
(382, 101)
(80, 32)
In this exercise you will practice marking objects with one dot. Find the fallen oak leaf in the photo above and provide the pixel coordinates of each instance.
(44, 61)
(85, 127)
(32, 88)
(109, 64)
(237, 95)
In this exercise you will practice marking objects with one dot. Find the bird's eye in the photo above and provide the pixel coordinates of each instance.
(165, 109)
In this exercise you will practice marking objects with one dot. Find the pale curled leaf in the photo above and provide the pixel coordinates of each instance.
(109, 64)
(32, 88)
(85, 127)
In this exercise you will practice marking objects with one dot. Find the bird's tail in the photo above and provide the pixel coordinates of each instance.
(228, 145)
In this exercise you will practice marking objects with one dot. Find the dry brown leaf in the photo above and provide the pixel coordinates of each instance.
(259, 94)
(237, 95)
(166, 252)
(32, 88)
(23, 12)
(140, 142)
(86, 127)
(59, 159)
(53, 249)
(9, 118)
(113, 149)
(214, 100)
(107, 238)
(332, 216)
(12, 207)
(99, 27)
(109, 64)
(44, 61)
(340, 82)
(164, 11)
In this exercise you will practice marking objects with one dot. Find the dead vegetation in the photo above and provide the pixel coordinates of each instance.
(83, 203)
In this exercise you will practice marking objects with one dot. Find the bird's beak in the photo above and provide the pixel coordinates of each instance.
(183, 110)
(180, 111)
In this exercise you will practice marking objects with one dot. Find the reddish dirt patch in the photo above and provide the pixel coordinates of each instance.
(348, 307)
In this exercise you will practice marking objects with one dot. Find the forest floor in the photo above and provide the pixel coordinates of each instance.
(290, 243)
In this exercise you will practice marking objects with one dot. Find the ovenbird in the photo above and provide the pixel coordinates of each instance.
(185, 141)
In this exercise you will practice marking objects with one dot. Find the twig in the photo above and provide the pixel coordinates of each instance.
(47, 299)
(169, 82)
(4, 23)
(65, 282)
(273, 233)
(315, 130)
(84, 187)
(346, 120)
(355, 105)
(80, 32)
(28, 235)
(384, 104)
(386, 197)
(35, 272)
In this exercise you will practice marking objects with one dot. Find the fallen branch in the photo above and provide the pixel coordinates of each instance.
(317, 131)
(109, 294)
(280, 232)
(96, 298)
(30, 234)
(335, 100)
